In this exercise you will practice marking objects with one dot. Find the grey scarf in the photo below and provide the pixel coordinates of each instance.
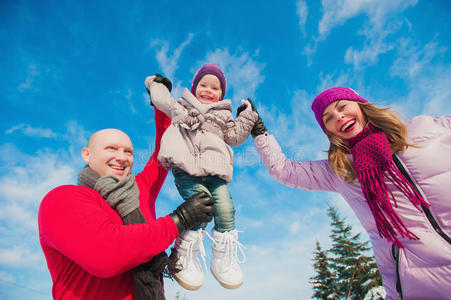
(123, 196)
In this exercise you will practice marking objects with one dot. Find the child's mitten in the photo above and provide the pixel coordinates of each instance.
(159, 79)
(245, 105)
(164, 80)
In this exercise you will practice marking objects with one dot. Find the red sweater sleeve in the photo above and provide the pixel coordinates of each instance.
(78, 223)
(151, 178)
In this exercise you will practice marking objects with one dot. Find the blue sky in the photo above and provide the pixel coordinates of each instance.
(70, 68)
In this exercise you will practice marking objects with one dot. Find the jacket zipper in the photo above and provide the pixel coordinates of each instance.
(395, 253)
(426, 210)
(429, 216)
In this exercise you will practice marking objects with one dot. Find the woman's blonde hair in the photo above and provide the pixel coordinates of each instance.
(383, 118)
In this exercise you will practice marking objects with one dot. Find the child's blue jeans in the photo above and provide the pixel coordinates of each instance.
(217, 188)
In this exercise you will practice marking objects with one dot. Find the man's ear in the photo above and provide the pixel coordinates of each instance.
(85, 154)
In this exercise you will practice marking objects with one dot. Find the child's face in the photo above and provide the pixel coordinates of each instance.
(209, 89)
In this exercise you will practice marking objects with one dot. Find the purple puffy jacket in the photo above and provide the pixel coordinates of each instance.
(423, 266)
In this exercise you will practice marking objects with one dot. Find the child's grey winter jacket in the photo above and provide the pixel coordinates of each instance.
(197, 139)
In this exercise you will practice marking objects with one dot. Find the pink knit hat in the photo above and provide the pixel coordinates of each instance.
(331, 95)
(213, 70)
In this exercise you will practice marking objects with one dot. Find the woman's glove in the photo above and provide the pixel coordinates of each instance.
(194, 211)
(259, 127)
(159, 79)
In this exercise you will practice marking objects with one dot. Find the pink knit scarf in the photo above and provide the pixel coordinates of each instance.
(373, 164)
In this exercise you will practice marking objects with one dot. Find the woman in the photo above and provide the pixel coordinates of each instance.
(396, 178)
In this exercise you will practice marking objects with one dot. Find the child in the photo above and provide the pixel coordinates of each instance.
(195, 148)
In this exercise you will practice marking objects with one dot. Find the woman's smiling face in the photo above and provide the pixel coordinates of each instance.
(344, 119)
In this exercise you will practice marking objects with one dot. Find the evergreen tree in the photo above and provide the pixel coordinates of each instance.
(322, 282)
(354, 273)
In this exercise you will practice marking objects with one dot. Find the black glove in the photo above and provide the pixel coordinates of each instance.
(259, 127)
(160, 79)
(164, 80)
(194, 211)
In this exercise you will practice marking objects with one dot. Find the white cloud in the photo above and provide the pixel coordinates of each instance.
(6, 277)
(169, 189)
(377, 41)
(371, 50)
(413, 59)
(76, 134)
(302, 12)
(334, 79)
(242, 72)
(177, 89)
(24, 186)
(26, 129)
(295, 227)
(169, 63)
(24, 182)
(77, 137)
(426, 77)
(15, 128)
(309, 140)
(338, 12)
(310, 49)
(18, 256)
(383, 20)
(127, 95)
(32, 73)
(429, 93)
(437, 91)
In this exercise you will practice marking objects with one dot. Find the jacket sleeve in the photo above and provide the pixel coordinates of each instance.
(306, 175)
(161, 98)
(237, 132)
(152, 177)
(73, 221)
(444, 121)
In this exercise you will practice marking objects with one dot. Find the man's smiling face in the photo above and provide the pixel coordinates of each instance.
(109, 152)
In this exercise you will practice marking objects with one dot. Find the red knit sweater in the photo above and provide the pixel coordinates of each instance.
(89, 251)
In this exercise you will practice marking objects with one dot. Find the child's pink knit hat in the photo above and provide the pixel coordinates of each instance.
(209, 69)
(331, 95)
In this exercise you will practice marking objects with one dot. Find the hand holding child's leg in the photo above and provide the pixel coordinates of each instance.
(196, 210)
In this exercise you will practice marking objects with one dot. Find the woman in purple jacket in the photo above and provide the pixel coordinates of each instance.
(396, 178)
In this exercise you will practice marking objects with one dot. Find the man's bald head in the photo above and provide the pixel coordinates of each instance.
(105, 133)
(109, 152)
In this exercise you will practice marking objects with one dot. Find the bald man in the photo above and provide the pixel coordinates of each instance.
(90, 252)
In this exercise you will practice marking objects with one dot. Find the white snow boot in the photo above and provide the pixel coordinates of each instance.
(189, 245)
(224, 260)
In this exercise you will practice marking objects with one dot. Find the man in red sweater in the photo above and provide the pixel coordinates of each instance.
(89, 251)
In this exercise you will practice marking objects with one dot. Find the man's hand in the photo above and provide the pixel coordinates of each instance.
(194, 211)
